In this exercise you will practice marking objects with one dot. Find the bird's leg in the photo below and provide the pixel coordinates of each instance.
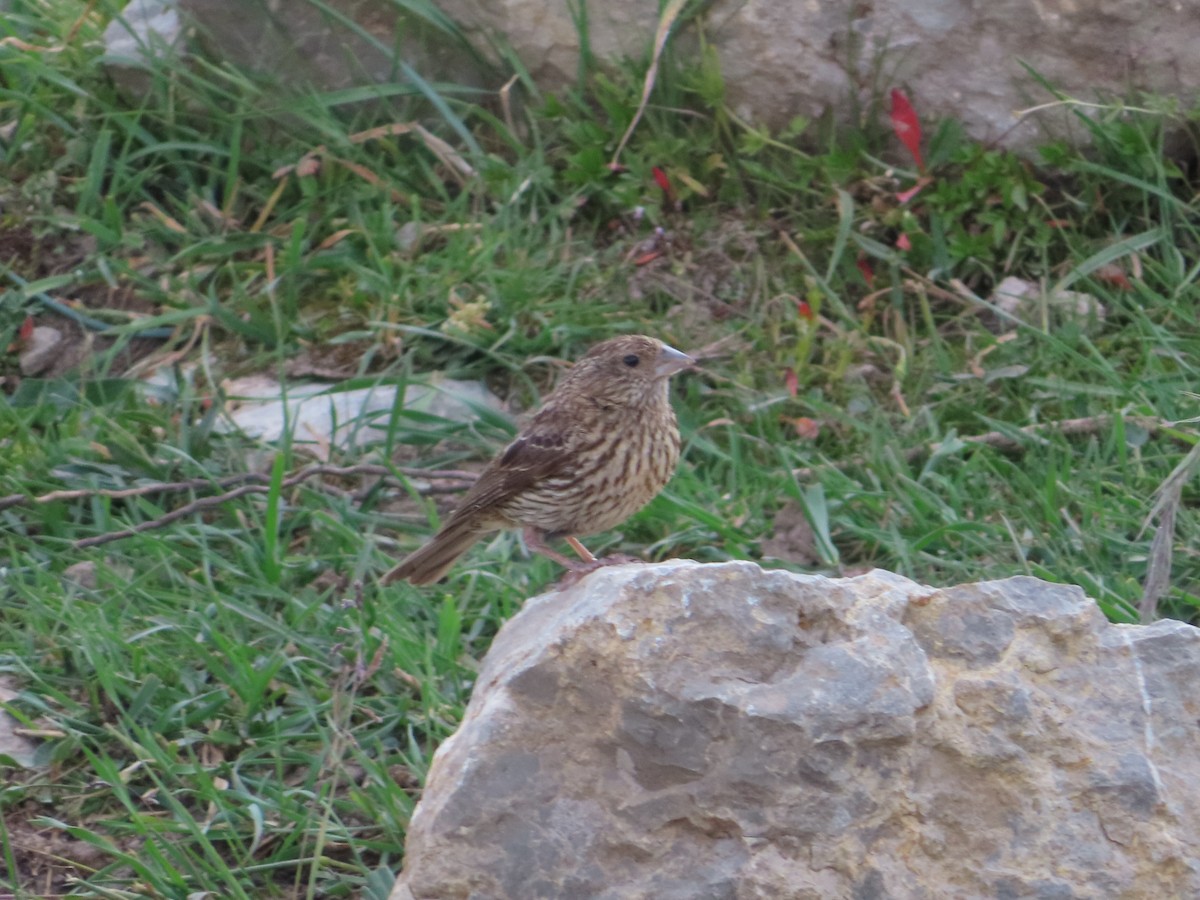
(584, 553)
(535, 542)
(590, 562)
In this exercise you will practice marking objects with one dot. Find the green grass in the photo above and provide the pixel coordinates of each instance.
(230, 702)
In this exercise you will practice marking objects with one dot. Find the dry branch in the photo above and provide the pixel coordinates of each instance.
(233, 486)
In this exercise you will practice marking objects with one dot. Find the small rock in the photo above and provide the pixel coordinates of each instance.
(16, 747)
(83, 574)
(1025, 300)
(41, 350)
(145, 30)
(328, 418)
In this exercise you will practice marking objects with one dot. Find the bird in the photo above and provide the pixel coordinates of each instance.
(601, 446)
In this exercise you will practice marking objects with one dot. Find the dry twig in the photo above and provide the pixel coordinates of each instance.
(233, 486)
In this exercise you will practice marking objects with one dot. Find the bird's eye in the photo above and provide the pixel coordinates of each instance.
(631, 360)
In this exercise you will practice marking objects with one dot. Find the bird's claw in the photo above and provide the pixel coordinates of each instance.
(579, 570)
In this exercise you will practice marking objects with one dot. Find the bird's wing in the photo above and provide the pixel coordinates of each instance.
(538, 453)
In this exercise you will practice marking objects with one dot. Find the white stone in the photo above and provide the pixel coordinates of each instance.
(40, 351)
(327, 418)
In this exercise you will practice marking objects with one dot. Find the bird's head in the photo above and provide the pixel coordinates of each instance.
(627, 370)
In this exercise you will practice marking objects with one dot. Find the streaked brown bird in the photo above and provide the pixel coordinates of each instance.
(602, 446)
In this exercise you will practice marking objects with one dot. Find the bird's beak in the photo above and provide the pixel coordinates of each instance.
(671, 361)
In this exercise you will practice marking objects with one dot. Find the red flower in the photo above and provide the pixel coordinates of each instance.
(868, 274)
(663, 181)
(907, 126)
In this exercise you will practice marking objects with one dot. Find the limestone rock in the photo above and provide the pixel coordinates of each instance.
(956, 59)
(330, 45)
(41, 350)
(778, 60)
(719, 731)
(1037, 306)
(145, 29)
(325, 418)
(15, 748)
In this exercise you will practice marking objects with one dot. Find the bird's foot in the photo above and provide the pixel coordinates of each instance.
(619, 559)
(577, 570)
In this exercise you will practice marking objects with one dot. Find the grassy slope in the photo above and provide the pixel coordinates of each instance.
(235, 705)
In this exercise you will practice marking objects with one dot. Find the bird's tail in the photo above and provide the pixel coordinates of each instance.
(433, 561)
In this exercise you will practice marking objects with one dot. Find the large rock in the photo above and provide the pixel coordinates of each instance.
(719, 731)
(956, 58)
(778, 59)
(330, 45)
(335, 43)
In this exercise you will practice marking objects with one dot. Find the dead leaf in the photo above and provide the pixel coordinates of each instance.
(792, 539)
(806, 428)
